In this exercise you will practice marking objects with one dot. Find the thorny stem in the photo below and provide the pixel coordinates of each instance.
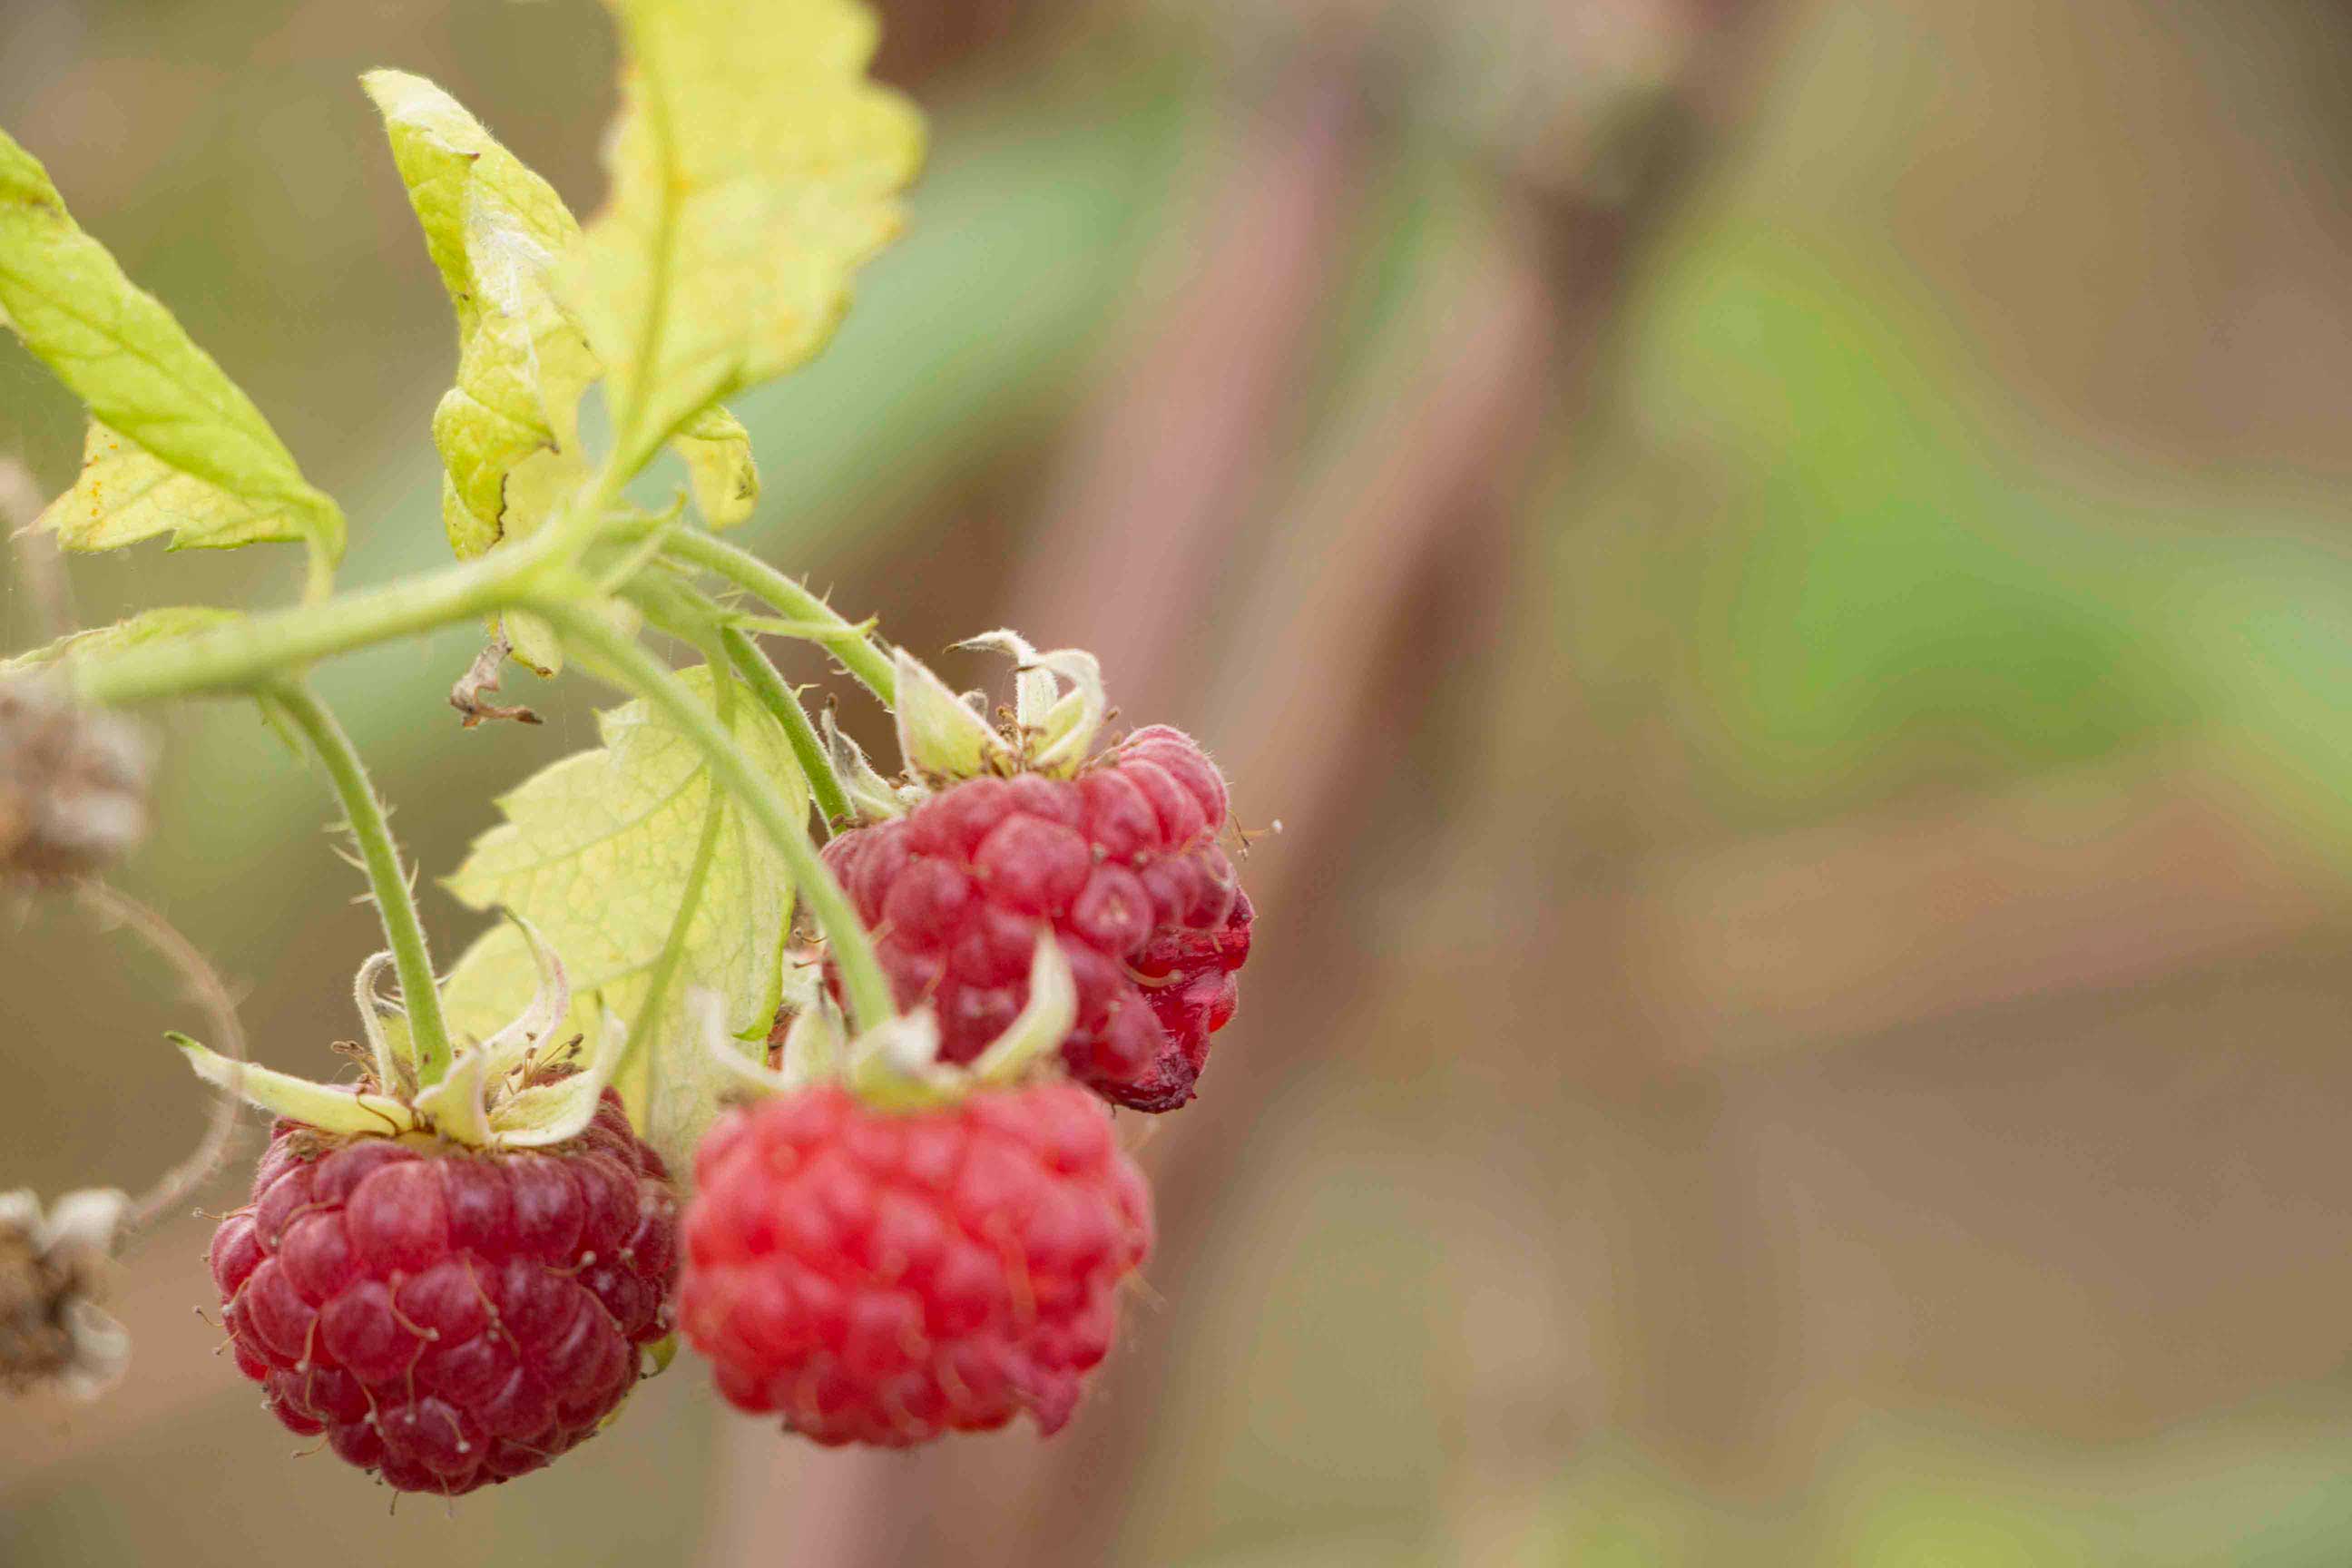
(206, 989)
(628, 666)
(860, 652)
(411, 957)
(832, 800)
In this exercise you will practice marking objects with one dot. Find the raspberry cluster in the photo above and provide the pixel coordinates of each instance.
(883, 1279)
(449, 1318)
(1121, 862)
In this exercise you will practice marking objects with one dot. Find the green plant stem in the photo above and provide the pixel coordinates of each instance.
(859, 651)
(832, 800)
(629, 665)
(411, 957)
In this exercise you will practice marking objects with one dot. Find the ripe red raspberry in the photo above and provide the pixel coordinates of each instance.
(884, 1278)
(1122, 861)
(448, 1317)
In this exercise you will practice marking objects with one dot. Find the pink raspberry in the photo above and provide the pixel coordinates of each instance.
(885, 1277)
(449, 1318)
(1121, 862)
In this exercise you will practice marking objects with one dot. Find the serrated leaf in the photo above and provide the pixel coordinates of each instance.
(125, 494)
(175, 446)
(507, 432)
(163, 623)
(494, 229)
(597, 852)
(754, 167)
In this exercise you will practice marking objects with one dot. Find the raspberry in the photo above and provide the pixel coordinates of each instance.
(1121, 861)
(884, 1278)
(449, 1318)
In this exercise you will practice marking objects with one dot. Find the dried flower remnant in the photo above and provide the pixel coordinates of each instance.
(53, 1331)
(73, 783)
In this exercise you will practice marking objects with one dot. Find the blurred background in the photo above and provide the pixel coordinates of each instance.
(1786, 570)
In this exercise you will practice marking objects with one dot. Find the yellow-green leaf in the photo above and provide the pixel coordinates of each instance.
(126, 494)
(754, 168)
(176, 448)
(598, 852)
(717, 454)
(162, 624)
(509, 430)
(494, 229)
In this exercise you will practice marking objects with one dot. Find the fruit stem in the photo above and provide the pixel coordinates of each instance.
(832, 800)
(428, 1034)
(860, 652)
(627, 663)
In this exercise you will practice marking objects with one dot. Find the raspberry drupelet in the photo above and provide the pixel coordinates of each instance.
(884, 1278)
(447, 1317)
(1121, 861)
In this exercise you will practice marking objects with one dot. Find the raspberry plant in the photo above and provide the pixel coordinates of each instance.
(906, 1213)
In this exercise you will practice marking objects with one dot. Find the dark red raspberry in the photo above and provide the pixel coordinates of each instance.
(1122, 861)
(883, 1277)
(449, 1316)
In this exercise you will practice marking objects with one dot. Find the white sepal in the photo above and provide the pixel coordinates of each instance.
(556, 1112)
(331, 1108)
(478, 1103)
(1032, 685)
(872, 797)
(940, 735)
(548, 1007)
(394, 1068)
(1059, 702)
(1043, 1022)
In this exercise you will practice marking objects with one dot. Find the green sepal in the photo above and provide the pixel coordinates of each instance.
(940, 735)
(329, 1107)
(896, 1066)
